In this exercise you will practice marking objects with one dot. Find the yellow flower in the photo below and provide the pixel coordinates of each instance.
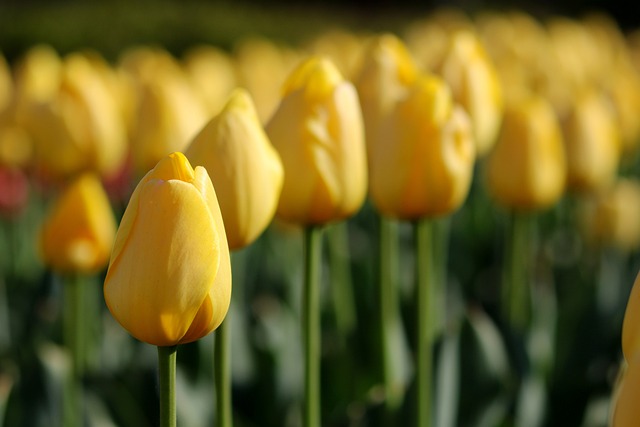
(80, 128)
(475, 85)
(168, 117)
(527, 168)
(627, 390)
(385, 77)
(631, 324)
(422, 164)
(592, 144)
(78, 233)
(611, 217)
(244, 167)
(6, 83)
(318, 132)
(624, 402)
(169, 278)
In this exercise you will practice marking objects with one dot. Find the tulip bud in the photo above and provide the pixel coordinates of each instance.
(6, 83)
(624, 402)
(611, 217)
(244, 167)
(318, 132)
(592, 144)
(527, 168)
(168, 117)
(169, 278)
(422, 164)
(212, 74)
(387, 73)
(631, 324)
(78, 233)
(475, 85)
(80, 127)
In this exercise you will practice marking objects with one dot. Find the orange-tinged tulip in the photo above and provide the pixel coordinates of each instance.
(527, 168)
(318, 132)
(592, 144)
(78, 234)
(169, 278)
(475, 85)
(244, 167)
(422, 164)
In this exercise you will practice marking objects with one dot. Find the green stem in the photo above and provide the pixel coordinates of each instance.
(167, 376)
(222, 368)
(389, 316)
(423, 229)
(515, 285)
(73, 322)
(311, 326)
(341, 283)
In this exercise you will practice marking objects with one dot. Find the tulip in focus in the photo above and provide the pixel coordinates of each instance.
(169, 278)
(78, 234)
(475, 85)
(244, 167)
(624, 402)
(592, 144)
(318, 132)
(422, 164)
(527, 168)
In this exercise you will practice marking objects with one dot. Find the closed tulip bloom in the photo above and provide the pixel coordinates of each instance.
(627, 390)
(244, 167)
(475, 85)
(78, 234)
(611, 217)
(168, 117)
(6, 83)
(169, 278)
(527, 168)
(387, 73)
(422, 164)
(318, 132)
(592, 144)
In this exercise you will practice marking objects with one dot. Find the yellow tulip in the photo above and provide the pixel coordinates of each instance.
(475, 85)
(168, 117)
(592, 144)
(318, 132)
(78, 234)
(385, 77)
(422, 164)
(80, 127)
(624, 402)
(169, 277)
(211, 72)
(611, 217)
(631, 324)
(527, 168)
(244, 167)
(6, 83)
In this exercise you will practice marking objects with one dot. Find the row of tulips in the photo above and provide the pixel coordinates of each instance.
(458, 106)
